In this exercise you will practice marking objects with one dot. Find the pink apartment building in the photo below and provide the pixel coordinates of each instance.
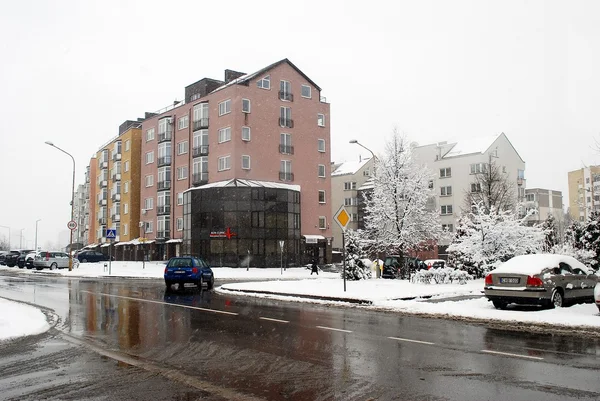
(249, 159)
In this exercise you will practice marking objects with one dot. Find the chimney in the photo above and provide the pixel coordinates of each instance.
(230, 75)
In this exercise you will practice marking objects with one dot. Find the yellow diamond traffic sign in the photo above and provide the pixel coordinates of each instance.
(342, 218)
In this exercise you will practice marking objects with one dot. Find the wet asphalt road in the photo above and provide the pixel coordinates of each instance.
(127, 339)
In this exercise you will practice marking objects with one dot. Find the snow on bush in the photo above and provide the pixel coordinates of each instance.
(357, 266)
(443, 275)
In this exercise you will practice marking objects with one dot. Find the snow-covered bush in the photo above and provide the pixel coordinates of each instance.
(356, 268)
(443, 275)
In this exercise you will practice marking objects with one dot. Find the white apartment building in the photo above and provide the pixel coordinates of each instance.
(546, 202)
(346, 179)
(455, 164)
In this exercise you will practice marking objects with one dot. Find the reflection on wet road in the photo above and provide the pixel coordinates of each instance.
(274, 350)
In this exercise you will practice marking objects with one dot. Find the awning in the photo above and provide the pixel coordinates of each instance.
(174, 241)
(105, 245)
(138, 242)
(122, 243)
(312, 239)
(90, 246)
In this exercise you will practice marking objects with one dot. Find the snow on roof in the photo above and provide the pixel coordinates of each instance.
(533, 264)
(350, 167)
(236, 182)
(367, 185)
(174, 241)
(470, 146)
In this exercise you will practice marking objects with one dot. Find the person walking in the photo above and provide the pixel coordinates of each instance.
(314, 268)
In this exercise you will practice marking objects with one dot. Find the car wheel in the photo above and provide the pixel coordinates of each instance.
(201, 282)
(84, 260)
(39, 268)
(499, 304)
(557, 300)
(168, 284)
(53, 266)
(211, 283)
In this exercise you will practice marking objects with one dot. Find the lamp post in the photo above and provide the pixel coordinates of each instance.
(375, 160)
(8, 235)
(72, 202)
(21, 239)
(36, 227)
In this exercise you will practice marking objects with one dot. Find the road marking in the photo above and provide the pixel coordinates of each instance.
(334, 329)
(164, 303)
(487, 351)
(270, 319)
(411, 341)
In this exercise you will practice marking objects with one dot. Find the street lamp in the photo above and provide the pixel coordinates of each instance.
(21, 239)
(8, 235)
(72, 202)
(36, 226)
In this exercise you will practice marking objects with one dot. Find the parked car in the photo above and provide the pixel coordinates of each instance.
(91, 256)
(396, 266)
(51, 260)
(12, 258)
(22, 256)
(597, 295)
(2, 257)
(188, 269)
(544, 279)
(435, 263)
(29, 259)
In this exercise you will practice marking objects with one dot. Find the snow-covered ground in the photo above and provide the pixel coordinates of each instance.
(18, 320)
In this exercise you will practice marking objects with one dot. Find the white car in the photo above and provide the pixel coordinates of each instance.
(597, 295)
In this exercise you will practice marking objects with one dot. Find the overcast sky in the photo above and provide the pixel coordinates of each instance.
(72, 71)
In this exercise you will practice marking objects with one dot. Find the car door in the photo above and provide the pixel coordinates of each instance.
(63, 260)
(586, 284)
(568, 281)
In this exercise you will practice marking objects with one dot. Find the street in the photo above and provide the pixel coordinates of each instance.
(127, 339)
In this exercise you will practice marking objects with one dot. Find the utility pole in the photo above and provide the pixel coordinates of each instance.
(36, 231)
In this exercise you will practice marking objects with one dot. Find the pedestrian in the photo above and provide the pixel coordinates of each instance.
(314, 268)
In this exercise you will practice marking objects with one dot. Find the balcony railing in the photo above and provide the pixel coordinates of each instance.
(286, 149)
(286, 96)
(103, 183)
(164, 161)
(115, 217)
(102, 201)
(163, 185)
(201, 124)
(163, 234)
(103, 165)
(102, 221)
(162, 210)
(201, 150)
(286, 122)
(116, 157)
(283, 176)
(200, 178)
(116, 197)
(165, 136)
(116, 177)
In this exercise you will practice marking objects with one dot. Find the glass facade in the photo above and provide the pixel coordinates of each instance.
(231, 226)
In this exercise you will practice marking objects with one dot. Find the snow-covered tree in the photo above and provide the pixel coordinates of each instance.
(492, 188)
(398, 213)
(356, 269)
(4, 244)
(551, 230)
(574, 235)
(494, 237)
(591, 236)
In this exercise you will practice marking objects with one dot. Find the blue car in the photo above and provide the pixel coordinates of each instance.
(188, 269)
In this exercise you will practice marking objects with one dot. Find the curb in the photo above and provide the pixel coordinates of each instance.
(283, 294)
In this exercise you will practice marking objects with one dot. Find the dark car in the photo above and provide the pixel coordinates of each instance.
(188, 269)
(396, 266)
(91, 256)
(22, 256)
(12, 258)
(2, 257)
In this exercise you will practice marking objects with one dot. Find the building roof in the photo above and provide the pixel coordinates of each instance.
(352, 167)
(244, 78)
(470, 146)
(236, 182)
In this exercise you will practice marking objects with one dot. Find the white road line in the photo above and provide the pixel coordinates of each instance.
(334, 329)
(487, 351)
(411, 341)
(270, 319)
(165, 303)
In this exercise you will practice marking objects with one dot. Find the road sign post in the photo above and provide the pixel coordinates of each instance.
(281, 244)
(111, 235)
(342, 218)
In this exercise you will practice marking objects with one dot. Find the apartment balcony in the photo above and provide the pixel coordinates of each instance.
(283, 176)
(87, 196)
(286, 149)
(163, 210)
(164, 161)
(163, 234)
(520, 181)
(116, 177)
(116, 157)
(200, 124)
(102, 221)
(103, 165)
(116, 197)
(201, 150)
(115, 218)
(103, 183)
(102, 202)
(200, 178)
(286, 122)
(163, 185)
(165, 136)
(286, 96)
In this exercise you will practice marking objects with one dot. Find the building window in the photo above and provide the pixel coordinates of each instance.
(179, 198)
(245, 133)
(589, 200)
(349, 185)
(180, 224)
(125, 229)
(149, 203)
(224, 163)
(366, 173)
(476, 187)
(224, 134)
(350, 201)
(321, 120)
(305, 91)
(285, 117)
(446, 191)
(150, 157)
(321, 196)
(521, 174)
(127, 145)
(587, 180)
(245, 105)
(448, 227)
(264, 83)
(321, 145)
(321, 172)
(285, 171)
(148, 227)
(126, 166)
(149, 134)
(125, 208)
(245, 162)
(182, 172)
(446, 209)
(353, 216)
(183, 122)
(149, 180)
(322, 223)
(182, 147)
(285, 144)
(285, 91)
(478, 168)
(530, 197)
(225, 107)
(126, 187)
(445, 172)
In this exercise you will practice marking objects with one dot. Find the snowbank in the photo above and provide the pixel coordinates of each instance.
(18, 320)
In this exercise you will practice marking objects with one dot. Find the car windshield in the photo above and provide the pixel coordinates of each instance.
(181, 262)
